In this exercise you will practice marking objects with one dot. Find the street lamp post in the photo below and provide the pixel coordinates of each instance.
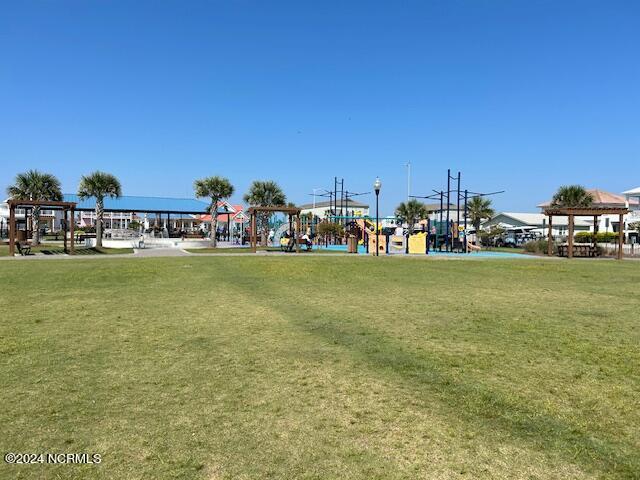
(376, 187)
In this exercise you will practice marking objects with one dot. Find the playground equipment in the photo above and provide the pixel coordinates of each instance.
(450, 234)
(396, 244)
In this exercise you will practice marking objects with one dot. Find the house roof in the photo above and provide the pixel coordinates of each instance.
(327, 204)
(131, 203)
(536, 219)
(435, 207)
(601, 198)
(633, 191)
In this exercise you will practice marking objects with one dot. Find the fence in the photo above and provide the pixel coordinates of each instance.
(628, 249)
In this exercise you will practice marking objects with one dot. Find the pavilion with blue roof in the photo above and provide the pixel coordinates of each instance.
(136, 204)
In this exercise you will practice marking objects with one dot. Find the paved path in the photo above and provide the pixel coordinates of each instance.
(160, 252)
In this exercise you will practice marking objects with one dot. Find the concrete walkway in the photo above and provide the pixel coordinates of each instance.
(160, 252)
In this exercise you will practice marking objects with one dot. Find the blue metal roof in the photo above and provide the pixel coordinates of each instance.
(129, 203)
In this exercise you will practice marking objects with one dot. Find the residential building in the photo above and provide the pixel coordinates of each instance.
(325, 209)
(537, 221)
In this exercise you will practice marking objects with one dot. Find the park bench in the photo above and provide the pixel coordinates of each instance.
(290, 245)
(579, 250)
(24, 248)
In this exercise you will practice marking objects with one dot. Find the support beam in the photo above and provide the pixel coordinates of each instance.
(297, 234)
(620, 236)
(66, 228)
(570, 239)
(12, 230)
(550, 239)
(253, 235)
(72, 226)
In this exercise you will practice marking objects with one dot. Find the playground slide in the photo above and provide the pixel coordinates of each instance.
(473, 248)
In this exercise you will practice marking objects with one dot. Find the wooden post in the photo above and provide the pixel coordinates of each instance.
(254, 247)
(71, 230)
(12, 229)
(595, 235)
(620, 236)
(298, 228)
(64, 231)
(550, 241)
(570, 239)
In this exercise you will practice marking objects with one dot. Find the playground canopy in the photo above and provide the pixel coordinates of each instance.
(66, 207)
(256, 210)
(594, 212)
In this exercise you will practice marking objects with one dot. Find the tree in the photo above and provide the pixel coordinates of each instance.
(35, 185)
(572, 196)
(330, 229)
(411, 212)
(99, 185)
(265, 194)
(216, 189)
(478, 209)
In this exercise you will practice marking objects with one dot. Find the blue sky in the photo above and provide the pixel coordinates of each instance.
(520, 96)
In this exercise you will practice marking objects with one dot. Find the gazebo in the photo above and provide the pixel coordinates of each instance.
(253, 213)
(68, 209)
(595, 212)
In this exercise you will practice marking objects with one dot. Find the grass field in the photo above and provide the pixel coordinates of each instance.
(248, 250)
(322, 367)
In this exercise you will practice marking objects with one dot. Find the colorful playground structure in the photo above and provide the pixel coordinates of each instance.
(448, 232)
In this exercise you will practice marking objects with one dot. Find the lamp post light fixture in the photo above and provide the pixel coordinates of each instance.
(377, 185)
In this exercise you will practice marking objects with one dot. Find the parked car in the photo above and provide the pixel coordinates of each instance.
(517, 237)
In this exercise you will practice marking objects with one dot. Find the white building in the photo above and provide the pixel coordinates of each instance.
(50, 220)
(323, 209)
(537, 221)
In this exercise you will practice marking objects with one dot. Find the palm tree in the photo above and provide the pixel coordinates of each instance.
(265, 194)
(99, 185)
(35, 185)
(572, 196)
(411, 212)
(217, 189)
(478, 209)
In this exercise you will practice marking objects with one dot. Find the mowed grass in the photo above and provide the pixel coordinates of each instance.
(322, 367)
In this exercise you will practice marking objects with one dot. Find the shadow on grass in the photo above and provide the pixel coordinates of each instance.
(79, 251)
(472, 402)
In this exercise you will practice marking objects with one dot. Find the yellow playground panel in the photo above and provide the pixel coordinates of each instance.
(382, 244)
(418, 243)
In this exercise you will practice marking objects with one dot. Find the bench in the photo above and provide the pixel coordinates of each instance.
(24, 248)
(579, 250)
(290, 245)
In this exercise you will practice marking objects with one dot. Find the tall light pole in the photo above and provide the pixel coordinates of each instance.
(314, 196)
(376, 187)
(408, 165)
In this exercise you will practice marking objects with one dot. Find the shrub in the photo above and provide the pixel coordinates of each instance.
(328, 228)
(539, 246)
(601, 237)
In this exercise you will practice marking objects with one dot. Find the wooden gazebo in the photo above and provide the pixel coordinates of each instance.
(595, 212)
(253, 225)
(68, 209)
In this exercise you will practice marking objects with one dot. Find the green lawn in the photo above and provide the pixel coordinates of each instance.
(248, 250)
(322, 367)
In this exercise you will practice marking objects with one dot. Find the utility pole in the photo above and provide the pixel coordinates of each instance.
(408, 165)
(458, 209)
(448, 204)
